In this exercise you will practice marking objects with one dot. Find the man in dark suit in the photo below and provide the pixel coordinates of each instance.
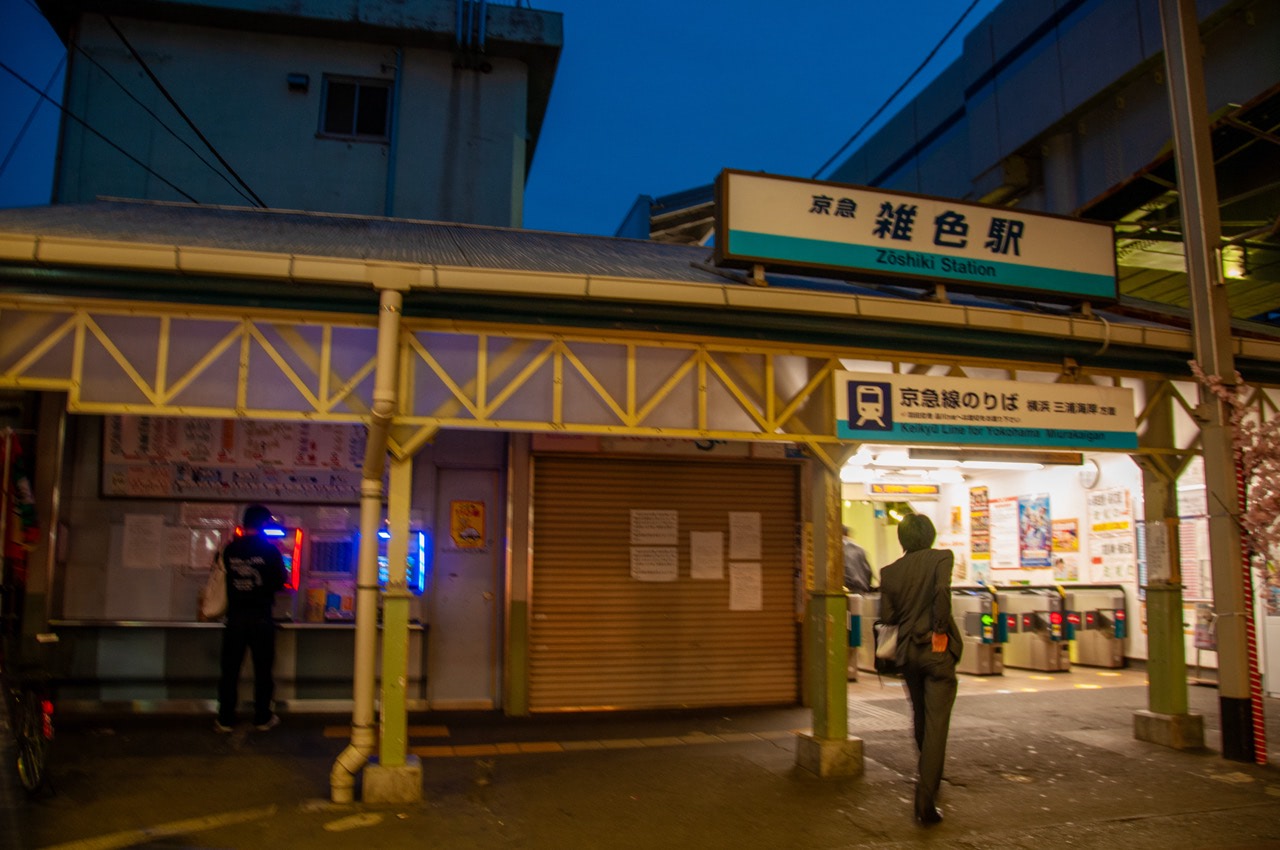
(915, 594)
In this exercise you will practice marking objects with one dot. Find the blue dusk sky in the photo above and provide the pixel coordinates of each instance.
(650, 98)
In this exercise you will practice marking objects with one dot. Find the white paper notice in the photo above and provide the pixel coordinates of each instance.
(744, 535)
(654, 528)
(745, 593)
(177, 546)
(144, 542)
(654, 563)
(1004, 534)
(706, 554)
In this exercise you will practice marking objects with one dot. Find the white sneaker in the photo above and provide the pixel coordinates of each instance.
(220, 727)
(271, 723)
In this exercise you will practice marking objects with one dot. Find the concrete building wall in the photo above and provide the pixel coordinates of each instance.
(1040, 80)
(460, 151)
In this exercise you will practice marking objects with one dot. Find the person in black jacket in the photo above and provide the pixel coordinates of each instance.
(255, 573)
(915, 594)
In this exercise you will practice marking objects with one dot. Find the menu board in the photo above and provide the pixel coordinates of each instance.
(231, 459)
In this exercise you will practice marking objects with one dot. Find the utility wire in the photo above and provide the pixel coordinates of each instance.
(899, 90)
(159, 85)
(85, 124)
(31, 116)
(160, 121)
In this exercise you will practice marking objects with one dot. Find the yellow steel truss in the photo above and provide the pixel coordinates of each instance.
(164, 360)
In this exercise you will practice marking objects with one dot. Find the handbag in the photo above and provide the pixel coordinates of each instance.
(213, 596)
(891, 654)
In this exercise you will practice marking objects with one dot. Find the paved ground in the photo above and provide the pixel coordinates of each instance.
(1035, 761)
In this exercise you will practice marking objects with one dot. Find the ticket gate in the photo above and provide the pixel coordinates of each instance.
(1034, 620)
(1097, 625)
(973, 609)
(854, 626)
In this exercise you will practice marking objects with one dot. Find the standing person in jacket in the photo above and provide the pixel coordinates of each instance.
(915, 594)
(255, 573)
(857, 570)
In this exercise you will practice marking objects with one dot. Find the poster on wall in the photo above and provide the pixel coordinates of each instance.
(1112, 549)
(467, 524)
(706, 554)
(1066, 549)
(1006, 543)
(654, 563)
(746, 591)
(1034, 532)
(744, 535)
(979, 527)
(231, 460)
(654, 528)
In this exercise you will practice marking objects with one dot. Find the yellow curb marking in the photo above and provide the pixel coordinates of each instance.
(133, 837)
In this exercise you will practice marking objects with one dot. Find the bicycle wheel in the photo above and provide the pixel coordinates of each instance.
(33, 746)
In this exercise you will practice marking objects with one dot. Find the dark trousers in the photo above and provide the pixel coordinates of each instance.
(931, 683)
(258, 636)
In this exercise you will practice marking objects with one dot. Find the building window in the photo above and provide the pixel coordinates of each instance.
(356, 109)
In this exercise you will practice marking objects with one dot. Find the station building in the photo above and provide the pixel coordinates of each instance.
(607, 469)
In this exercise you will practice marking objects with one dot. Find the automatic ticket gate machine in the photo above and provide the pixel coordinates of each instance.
(1035, 626)
(854, 626)
(974, 610)
(1097, 624)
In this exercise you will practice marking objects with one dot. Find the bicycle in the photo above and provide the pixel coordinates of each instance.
(30, 702)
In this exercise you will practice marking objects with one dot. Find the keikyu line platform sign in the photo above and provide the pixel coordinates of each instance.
(888, 408)
(833, 229)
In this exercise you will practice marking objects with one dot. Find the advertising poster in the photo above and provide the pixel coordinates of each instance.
(466, 524)
(1034, 531)
(1066, 549)
(979, 527)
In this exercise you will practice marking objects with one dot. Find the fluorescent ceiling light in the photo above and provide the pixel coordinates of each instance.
(998, 464)
(898, 458)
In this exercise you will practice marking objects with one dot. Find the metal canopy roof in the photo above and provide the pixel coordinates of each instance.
(223, 256)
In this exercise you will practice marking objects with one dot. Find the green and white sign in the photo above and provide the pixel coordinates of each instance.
(891, 408)
(831, 228)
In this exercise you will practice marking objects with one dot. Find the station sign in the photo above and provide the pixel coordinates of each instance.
(839, 230)
(932, 410)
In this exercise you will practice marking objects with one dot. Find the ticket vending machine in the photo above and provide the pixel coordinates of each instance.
(418, 560)
(854, 629)
(1097, 618)
(331, 578)
(974, 610)
(1034, 619)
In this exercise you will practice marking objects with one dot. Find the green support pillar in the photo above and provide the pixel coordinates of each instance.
(828, 751)
(1166, 720)
(395, 776)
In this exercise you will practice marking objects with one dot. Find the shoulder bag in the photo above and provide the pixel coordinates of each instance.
(213, 596)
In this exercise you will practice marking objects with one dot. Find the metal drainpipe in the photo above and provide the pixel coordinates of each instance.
(342, 778)
(393, 147)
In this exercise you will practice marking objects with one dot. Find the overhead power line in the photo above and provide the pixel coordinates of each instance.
(898, 91)
(161, 122)
(91, 129)
(182, 113)
(31, 116)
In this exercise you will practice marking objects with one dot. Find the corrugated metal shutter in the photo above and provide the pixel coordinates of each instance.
(600, 639)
